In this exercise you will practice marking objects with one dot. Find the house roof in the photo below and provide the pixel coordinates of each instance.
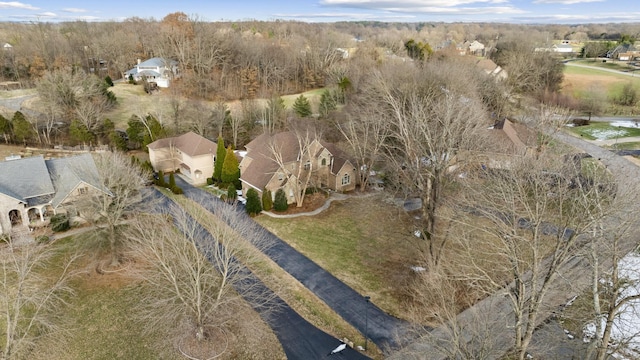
(157, 61)
(67, 173)
(36, 181)
(190, 143)
(262, 166)
(26, 178)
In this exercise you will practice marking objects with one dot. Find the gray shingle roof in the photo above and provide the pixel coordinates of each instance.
(36, 181)
(67, 173)
(25, 178)
(190, 143)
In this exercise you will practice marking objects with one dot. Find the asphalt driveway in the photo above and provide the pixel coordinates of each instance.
(383, 329)
(299, 338)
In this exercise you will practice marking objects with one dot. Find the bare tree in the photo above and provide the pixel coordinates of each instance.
(366, 132)
(32, 294)
(197, 280)
(530, 218)
(122, 195)
(432, 117)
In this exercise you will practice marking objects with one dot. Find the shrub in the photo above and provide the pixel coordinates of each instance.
(160, 180)
(209, 181)
(280, 203)
(253, 202)
(231, 193)
(60, 222)
(176, 190)
(172, 181)
(108, 81)
(267, 200)
(42, 239)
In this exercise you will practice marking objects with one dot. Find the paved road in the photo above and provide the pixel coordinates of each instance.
(383, 329)
(299, 338)
(630, 73)
(490, 322)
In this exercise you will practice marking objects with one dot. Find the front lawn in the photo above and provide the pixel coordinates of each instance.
(363, 241)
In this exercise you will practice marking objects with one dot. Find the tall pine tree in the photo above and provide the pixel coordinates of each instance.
(230, 170)
(220, 155)
(302, 107)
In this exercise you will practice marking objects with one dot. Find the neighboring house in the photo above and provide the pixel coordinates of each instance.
(562, 48)
(7, 46)
(471, 48)
(155, 70)
(505, 140)
(616, 52)
(492, 69)
(33, 189)
(190, 153)
(330, 166)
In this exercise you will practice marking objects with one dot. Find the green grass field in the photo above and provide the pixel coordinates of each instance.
(604, 131)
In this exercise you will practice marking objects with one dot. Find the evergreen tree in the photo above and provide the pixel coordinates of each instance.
(172, 181)
(253, 206)
(135, 132)
(155, 131)
(280, 203)
(108, 81)
(302, 107)
(22, 131)
(5, 128)
(79, 133)
(220, 154)
(327, 103)
(160, 182)
(232, 194)
(230, 171)
(267, 201)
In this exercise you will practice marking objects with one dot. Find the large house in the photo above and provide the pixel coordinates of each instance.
(33, 189)
(330, 167)
(155, 70)
(191, 154)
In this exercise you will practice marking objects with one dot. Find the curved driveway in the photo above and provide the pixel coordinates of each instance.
(299, 338)
(383, 329)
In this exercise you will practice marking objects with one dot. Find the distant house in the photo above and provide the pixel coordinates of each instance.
(7, 47)
(562, 48)
(505, 140)
(492, 69)
(155, 70)
(191, 154)
(330, 166)
(33, 189)
(624, 50)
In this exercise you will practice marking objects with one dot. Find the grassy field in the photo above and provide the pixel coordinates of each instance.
(101, 323)
(579, 81)
(604, 131)
(365, 242)
(614, 65)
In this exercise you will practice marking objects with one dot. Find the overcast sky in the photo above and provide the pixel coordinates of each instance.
(512, 11)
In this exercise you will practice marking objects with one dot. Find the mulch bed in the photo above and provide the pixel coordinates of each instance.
(310, 203)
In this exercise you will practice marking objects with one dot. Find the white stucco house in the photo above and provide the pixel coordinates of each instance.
(155, 70)
(33, 189)
(191, 154)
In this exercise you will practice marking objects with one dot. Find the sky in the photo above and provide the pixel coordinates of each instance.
(510, 11)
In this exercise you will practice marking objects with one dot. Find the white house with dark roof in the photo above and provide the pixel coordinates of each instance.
(32, 189)
(191, 154)
(155, 70)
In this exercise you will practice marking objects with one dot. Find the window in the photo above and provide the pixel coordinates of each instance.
(324, 162)
(83, 190)
(307, 165)
(346, 179)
